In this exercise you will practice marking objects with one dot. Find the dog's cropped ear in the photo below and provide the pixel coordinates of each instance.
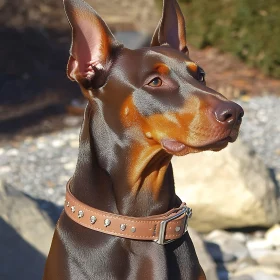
(93, 44)
(171, 28)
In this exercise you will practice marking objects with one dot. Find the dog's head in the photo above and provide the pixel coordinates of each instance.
(155, 95)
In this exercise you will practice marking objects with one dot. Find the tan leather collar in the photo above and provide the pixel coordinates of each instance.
(162, 228)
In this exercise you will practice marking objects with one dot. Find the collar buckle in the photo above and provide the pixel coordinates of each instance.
(162, 230)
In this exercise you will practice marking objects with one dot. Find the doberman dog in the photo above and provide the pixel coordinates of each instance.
(122, 218)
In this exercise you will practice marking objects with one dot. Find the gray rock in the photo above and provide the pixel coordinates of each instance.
(205, 259)
(273, 235)
(259, 273)
(26, 218)
(259, 244)
(259, 234)
(25, 236)
(239, 236)
(242, 277)
(231, 188)
(239, 264)
(217, 254)
(230, 249)
(266, 257)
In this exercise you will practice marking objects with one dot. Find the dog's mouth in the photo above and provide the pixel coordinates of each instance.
(217, 145)
(177, 148)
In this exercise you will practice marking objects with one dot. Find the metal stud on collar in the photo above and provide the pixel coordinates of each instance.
(93, 219)
(107, 222)
(73, 209)
(80, 214)
(177, 229)
(123, 227)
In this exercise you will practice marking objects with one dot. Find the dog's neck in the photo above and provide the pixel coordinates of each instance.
(107, 178)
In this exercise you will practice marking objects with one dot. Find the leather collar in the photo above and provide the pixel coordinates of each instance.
(162, 228)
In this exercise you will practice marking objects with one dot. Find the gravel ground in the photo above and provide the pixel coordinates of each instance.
(41, 166)
(261, 129)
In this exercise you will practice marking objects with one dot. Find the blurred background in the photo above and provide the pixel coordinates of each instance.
(235, 194)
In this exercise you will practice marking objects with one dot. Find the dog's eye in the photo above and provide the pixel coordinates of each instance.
(156, 82)
(201, 75)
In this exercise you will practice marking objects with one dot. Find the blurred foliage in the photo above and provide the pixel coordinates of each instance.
(249, 29)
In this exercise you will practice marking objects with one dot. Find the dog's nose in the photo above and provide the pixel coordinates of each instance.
(229, 112)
